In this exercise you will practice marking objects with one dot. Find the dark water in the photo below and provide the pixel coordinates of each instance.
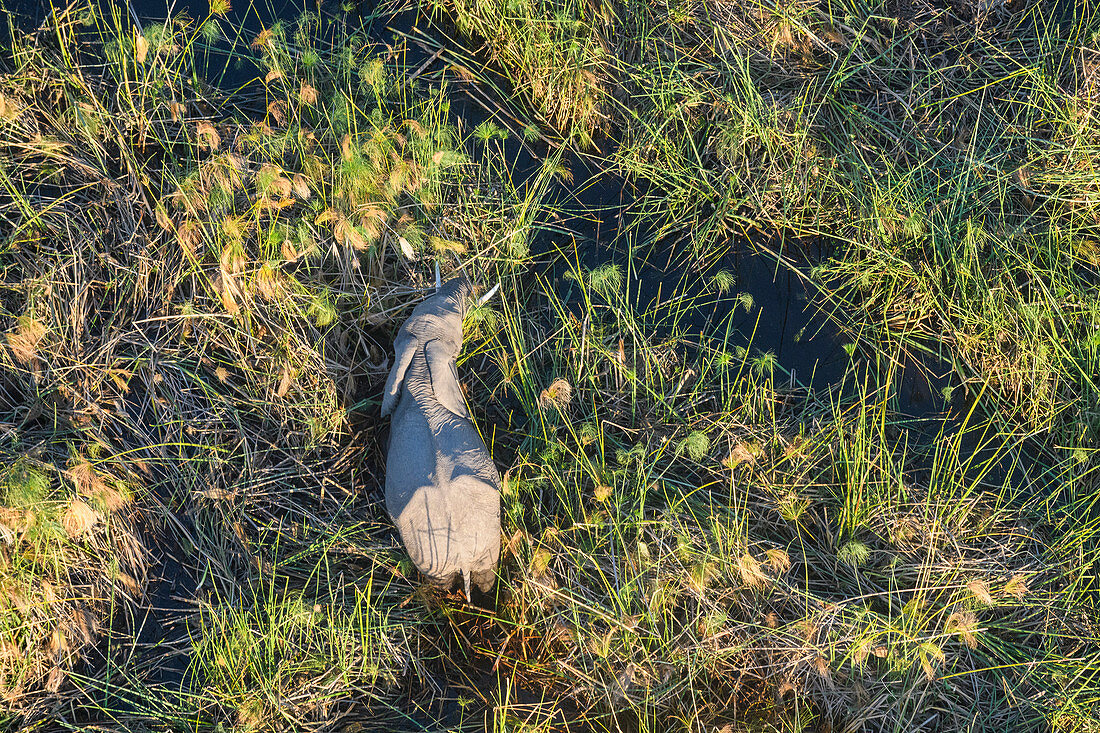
(148, 645)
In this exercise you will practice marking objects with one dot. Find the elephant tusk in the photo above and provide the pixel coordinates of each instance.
(438, 281)
(491, 293)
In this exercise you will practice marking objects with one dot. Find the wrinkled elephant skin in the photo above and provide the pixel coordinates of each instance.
(442, 487)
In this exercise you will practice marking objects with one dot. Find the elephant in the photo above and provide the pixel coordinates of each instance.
(442, 487)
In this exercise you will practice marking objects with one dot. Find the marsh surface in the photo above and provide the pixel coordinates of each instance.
(792, 380)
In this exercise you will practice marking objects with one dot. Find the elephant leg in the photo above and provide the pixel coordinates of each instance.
(483, 579)
(445, 583)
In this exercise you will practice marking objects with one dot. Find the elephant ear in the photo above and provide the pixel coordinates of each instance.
(404, 350)
(444, 376)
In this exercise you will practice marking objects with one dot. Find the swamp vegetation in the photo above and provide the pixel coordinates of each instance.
(209, 237)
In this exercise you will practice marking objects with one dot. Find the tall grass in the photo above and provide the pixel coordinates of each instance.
(551, 51)
(197, 311)
(681, 558)
(193, 305)
(945, 153)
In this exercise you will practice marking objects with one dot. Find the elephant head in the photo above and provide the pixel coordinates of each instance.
(436, 322)
(442, 488)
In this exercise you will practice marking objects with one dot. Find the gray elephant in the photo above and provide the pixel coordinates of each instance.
(442, 487)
